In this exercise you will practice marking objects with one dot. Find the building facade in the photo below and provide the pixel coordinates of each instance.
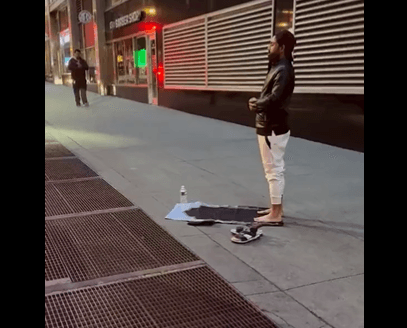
(208, 57)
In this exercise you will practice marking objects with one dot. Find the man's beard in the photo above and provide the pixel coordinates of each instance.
(273, 57)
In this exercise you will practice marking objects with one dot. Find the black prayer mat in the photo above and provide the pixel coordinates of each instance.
(226, 214)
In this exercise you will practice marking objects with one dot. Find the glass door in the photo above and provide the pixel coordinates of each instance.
(140, 59)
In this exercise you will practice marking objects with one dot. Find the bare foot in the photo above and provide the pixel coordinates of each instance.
(264, 212)
(268, 211)
(271, 217)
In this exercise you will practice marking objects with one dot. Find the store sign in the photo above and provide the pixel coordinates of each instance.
(134, 17)
(85, 17)
(64, 37)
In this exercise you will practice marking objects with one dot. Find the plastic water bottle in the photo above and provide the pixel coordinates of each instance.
(183, 192)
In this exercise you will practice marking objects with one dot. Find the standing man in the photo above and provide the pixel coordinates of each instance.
(272, 127)
(77, 66)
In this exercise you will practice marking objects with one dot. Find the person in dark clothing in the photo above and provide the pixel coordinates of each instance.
(77, 65)
(271, 121)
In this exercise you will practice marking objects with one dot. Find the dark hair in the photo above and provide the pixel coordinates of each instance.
(287, 39)
(77, 50)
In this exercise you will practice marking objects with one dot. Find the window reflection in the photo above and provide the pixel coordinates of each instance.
(284, 15)
(125, 62)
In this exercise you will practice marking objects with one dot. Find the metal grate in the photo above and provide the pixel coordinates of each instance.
(223, 50)
(49, 138)
(162, 245)
(196, 298)
(113, 243)
(54, 202)
(67, 168)
(54, 268)
(184, 54)
(56, 150)
(329, 56)
(85, 196)
(237, 47)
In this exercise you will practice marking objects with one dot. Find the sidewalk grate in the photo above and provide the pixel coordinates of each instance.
(49, 138)
(107, 244)
(195, 298)
(67, 168)
(163, 246)
(85, 196)
(56, 150)
(54, 268)
(54, 202)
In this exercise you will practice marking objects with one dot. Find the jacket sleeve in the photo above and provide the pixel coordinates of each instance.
(85, 64)
(71, 65)
(277, 91)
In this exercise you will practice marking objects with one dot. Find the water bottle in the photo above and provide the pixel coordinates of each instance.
(183, 192)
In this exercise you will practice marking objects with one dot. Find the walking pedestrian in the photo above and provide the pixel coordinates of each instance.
(77, 65)
(272, 126)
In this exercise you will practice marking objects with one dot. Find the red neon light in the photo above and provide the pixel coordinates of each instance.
(160, 75)
(149, 26)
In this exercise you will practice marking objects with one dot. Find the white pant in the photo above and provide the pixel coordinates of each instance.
(272, 152)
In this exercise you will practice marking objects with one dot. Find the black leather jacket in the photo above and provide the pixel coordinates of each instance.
(78, 73)
(272, 106)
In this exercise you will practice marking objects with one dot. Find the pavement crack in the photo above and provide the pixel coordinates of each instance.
(328, 280)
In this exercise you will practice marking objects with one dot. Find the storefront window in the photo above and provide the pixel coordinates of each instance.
(125, 71)
(65, 46)
(140, 60)
(91, 60)
(284, 15)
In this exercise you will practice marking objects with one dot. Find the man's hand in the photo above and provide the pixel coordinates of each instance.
(253, 104)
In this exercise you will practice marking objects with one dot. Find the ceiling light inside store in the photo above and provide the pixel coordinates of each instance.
(151, 11)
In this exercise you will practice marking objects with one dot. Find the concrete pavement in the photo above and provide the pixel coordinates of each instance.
(312, 269)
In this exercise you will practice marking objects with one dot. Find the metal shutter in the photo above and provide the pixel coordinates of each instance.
(237, 47)
(184, 54)
(329, 56)
(224, 50)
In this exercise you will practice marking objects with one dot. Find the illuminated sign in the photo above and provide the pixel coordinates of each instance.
(141, 58)
(134, 17)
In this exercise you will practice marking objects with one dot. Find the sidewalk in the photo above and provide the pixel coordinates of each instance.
(306, 274)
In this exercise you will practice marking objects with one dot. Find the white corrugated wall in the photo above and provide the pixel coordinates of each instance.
(329, 56)
(223, 50)
(227, 50)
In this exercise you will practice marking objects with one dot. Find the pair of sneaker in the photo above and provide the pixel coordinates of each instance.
(84, 105)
